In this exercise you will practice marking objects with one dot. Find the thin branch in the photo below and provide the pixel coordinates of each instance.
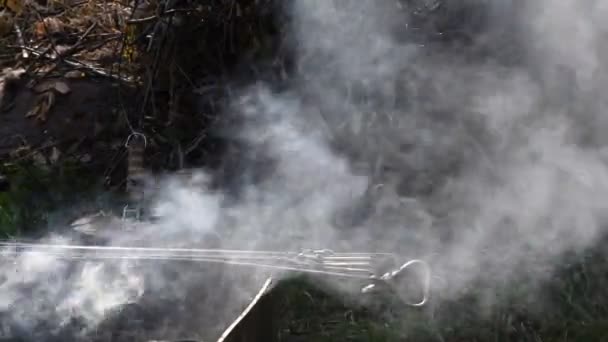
(75, 63)
(80, 39)
(156, 17)
(24, 52)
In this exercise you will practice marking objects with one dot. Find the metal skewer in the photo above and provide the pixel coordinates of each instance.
(363, 266)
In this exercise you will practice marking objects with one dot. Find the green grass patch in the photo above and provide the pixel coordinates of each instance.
(37, 193)
(570, 307)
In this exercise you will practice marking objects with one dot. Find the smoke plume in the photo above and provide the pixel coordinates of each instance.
(485, 156)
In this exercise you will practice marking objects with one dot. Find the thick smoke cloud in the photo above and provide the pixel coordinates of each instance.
(487, 156)
(42, 296)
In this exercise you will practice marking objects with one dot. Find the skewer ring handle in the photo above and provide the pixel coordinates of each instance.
(400, 281)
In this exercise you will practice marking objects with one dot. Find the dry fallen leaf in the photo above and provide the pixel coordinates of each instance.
(44, 102)
(61, 87)
(42, 87)
(6, 23)
(74, 74)
(47, 26)
(39, 30)
(62, 49)
(58, 86)
(15, 5)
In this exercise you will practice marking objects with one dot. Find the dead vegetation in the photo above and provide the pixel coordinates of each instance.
(80, 76)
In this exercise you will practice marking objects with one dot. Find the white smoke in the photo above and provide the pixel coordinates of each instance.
(495, 165)
(38, 290)
(504, 159)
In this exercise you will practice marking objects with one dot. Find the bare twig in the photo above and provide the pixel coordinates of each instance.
(92, 47)
(77, 64)
(80, 39)
(194, 144)
(24, 52)
(77, 47)
(74, 48)
(45, 12)
(156, 17)
(33, 65)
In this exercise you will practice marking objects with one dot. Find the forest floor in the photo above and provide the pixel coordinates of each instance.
(575, 307)
(60, 134)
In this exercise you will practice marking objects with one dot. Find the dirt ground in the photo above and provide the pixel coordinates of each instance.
(80, 119)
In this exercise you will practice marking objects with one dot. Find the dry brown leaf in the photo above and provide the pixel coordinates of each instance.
(11, 74)
(33, 112)
(16, 6)
(54, 25)
(42, 87)
(59, 86)
(44, 102)
(62, 49)
(47, 26)
(74, 74)
(39, 30)
(6, 23)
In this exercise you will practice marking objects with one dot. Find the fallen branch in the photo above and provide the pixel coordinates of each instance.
(77, 64)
